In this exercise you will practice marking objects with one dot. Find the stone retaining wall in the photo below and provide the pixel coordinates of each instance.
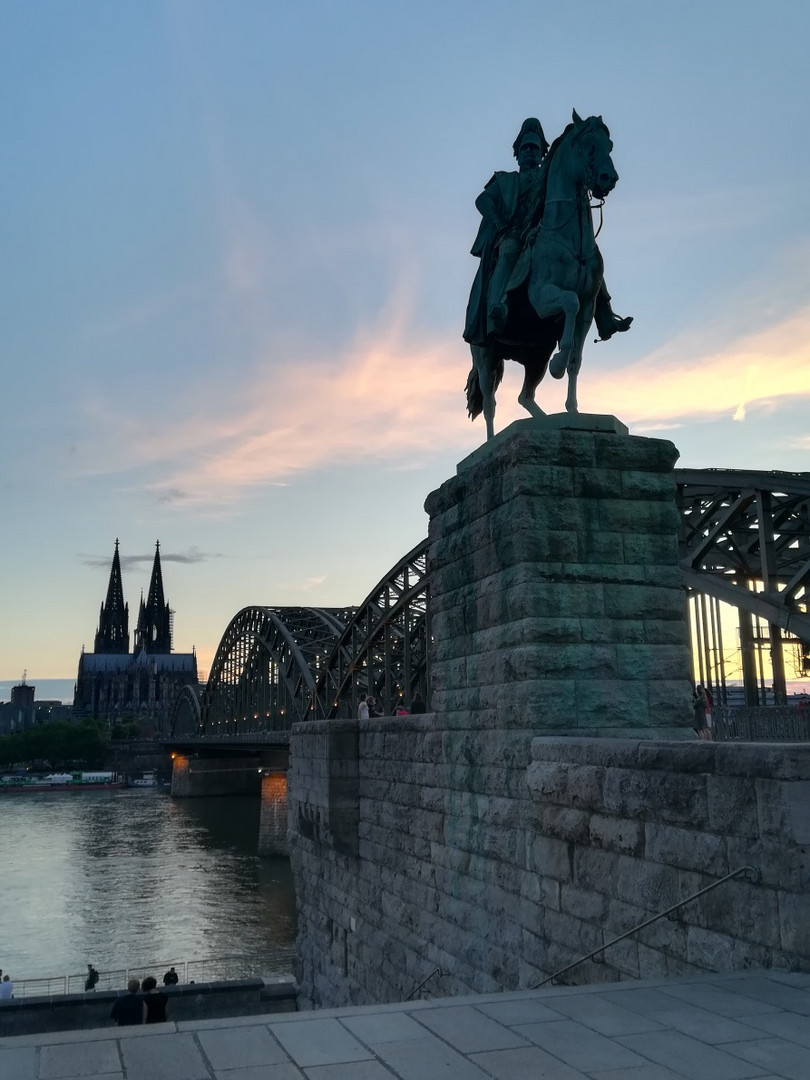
(500, 857)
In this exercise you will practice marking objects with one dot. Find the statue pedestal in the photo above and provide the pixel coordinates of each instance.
(557, 602)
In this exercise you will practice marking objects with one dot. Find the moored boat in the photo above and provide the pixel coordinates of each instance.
(72, 781)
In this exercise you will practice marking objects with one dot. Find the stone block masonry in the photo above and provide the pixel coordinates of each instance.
(499, 871)
(556, 598)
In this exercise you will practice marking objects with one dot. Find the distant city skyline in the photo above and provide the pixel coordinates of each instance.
(236, 265)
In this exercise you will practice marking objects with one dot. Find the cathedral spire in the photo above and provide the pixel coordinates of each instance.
(112, 635)
(154, 632)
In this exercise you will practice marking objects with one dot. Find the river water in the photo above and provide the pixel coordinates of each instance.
(126, 878)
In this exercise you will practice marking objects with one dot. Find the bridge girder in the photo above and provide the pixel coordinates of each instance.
(745, 539)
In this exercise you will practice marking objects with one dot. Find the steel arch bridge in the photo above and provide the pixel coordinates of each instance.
(276, 666)
(744, 543)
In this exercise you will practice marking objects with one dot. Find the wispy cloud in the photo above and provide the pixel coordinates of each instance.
(685, 380)
(393, 397)
(191, 556)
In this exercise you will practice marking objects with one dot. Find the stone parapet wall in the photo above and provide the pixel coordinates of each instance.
(500, 857)
(200, 1001)
(623, 830)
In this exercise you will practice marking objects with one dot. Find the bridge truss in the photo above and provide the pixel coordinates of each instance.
(745, 545)
(745, 557)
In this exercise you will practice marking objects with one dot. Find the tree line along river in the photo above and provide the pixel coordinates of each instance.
(125, 878)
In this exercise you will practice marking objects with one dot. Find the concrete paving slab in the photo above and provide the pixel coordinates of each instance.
(786, 1025)
(525, 1063)
(784, 1058)
(519, 1011)
(355, 1070)
(789, 978)
(18, 1063)
(79, 1059)
(794, 999)
(580, 1047)
(468, 1030)
(645, 1001)
(706, 1026)
(319, 1042)
(285, 1071)
(725, 1002)
(163, 1057)
(428, 1059)
(643, 1072)
(596, 1012)
(240, 1048)
(695, 1060)
(226, 1022)
(375, 1029)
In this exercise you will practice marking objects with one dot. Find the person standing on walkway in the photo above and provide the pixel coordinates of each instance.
(6, 988)
(699, 705)
(155, 1002)
(171, 978)
(362, 708)
(92, 978)
(128, 1010)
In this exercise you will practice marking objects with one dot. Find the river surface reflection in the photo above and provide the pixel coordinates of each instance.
(123, 878)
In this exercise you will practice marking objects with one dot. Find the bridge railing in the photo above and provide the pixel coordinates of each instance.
(211, 969)
(764, 723)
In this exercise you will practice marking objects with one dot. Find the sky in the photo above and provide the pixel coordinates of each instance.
(236, 264)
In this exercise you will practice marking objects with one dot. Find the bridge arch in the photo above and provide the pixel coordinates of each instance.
(384, 648)
(263, 674)
(185, 717)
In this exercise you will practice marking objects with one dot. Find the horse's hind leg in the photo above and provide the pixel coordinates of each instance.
(490, 372)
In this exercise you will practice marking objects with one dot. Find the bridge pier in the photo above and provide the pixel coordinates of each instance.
(194, 777)
(273, 815)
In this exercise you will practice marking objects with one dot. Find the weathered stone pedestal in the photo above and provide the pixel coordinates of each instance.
(556, 598)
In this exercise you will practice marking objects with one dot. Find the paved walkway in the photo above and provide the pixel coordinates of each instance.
(717, 1027)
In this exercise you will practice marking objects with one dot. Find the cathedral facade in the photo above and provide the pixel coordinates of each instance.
(112, 681)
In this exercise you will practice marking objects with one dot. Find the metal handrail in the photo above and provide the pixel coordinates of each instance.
(436, 971)
(754, 876)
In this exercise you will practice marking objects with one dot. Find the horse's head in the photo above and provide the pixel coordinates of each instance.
(592, 141)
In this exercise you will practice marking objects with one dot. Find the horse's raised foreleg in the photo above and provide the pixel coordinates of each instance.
(551, 300)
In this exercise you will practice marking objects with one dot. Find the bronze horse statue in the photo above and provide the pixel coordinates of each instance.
(553, 304)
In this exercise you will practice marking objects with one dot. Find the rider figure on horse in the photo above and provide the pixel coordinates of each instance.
(510, 206)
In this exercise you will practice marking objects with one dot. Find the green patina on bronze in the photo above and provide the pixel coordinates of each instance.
(540, 282)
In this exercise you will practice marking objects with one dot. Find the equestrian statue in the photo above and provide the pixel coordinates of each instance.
(540, 280)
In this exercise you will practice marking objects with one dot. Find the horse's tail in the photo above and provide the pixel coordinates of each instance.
(475, 396)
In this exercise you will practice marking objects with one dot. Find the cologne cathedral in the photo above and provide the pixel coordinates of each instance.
(146, 682)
